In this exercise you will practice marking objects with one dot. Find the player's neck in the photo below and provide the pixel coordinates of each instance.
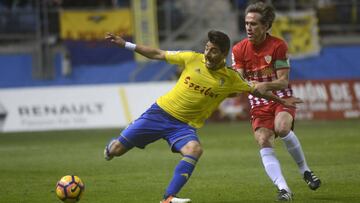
(218, 66)
(259, 42)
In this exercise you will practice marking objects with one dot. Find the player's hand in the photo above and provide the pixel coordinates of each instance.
(260, 87)
(292, 101)
(115, 39)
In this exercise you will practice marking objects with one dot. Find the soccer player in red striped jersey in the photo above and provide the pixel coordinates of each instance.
(263, 58)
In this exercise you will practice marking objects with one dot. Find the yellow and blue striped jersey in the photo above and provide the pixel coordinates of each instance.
(199, 90)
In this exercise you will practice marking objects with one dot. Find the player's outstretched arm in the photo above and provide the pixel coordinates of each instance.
(289, 102)
(281, 82)
(149, 52)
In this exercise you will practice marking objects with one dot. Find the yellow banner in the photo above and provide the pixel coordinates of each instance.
(92, 25)
(300, 31)
(145, 24)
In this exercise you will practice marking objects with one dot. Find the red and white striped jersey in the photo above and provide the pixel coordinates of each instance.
(260, 63)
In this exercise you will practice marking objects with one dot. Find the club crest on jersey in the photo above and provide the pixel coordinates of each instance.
(268, 59)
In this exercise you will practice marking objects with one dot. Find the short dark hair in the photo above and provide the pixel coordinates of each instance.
(220, 39)
(266, 11)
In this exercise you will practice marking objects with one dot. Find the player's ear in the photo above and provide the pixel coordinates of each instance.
(268, 26)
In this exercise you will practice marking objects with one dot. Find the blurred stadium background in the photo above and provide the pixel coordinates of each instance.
(57, 73)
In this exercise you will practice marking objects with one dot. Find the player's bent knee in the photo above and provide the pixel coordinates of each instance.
(264, 137)
(118, 149)
(283, 127)
(192, 148)
(282, 131)
(264, 141)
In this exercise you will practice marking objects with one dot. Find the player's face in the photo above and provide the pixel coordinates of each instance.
(214, 58)
(255, 30)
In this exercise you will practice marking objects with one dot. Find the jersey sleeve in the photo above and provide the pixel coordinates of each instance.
(237, 57)
(242, 85)
(178, 57)
(281, 56)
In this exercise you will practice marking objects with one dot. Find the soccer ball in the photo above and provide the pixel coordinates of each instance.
(70, 188)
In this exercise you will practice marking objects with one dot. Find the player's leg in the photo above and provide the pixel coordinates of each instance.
(191, 150)
(148, 128)
(283, 125)
(263, 124)
(265, 139)
(128, 138)
(116, 148)
(140, 133)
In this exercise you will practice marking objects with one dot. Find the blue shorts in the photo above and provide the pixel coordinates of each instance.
(154, 124)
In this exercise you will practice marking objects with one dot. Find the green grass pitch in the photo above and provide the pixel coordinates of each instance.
(229, 171)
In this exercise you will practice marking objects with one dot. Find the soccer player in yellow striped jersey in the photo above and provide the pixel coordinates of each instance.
(204, 83)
